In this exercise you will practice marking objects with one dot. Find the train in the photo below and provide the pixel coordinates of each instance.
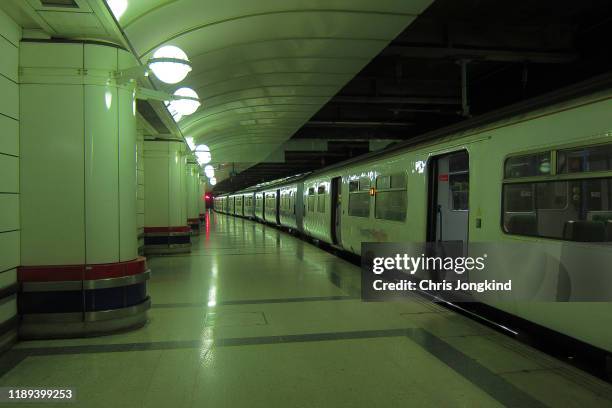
(537, 175)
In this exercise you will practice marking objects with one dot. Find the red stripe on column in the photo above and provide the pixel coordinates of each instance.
(116, 270)
(52, 273)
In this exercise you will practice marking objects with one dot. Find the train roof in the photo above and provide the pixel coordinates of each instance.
(512, 113)
(274, 183)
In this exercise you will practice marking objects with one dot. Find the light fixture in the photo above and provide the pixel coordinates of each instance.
(212, 181)
(118, 7)
(209, 171)
(170, 64)
(203, 155)
(186, 102)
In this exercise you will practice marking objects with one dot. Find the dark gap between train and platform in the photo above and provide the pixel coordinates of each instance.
(576, 353)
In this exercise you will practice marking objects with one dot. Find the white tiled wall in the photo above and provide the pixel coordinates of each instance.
(10, 34)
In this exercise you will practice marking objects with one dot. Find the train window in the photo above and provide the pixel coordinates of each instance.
(311, 199)
(359, 204)
(586, 159)
(391, 199)
(459, 185)
(359, 197)
(530, 165)
(551, 196)
(321, 199)
(383, 182)
(391, 205)
(458, 163)
(572, 210)
(519, 198)
(364, 184)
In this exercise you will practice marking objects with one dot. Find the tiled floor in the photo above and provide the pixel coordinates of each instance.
(254, 317)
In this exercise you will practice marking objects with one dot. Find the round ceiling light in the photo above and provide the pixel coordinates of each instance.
(209, 171)
(213, 181)
(170, 64)
(188, 104)
(203, 157)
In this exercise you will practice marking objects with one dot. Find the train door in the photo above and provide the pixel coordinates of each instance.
(336, 209)
(263, 206)
(278, 207)
(448, 217)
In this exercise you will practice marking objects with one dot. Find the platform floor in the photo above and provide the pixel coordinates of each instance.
(254, 317)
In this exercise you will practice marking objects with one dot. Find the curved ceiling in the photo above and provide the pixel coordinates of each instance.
(263, 68)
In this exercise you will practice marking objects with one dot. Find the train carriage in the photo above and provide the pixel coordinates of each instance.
(539, 178)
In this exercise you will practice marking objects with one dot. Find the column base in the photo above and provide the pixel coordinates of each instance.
(82, 300)
(88, 324)
(167, 240)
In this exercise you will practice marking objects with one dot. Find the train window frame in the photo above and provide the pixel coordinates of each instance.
(584, 149)
(310, 204)
(321, 195)
(391, 189)
(551, 163)
(360, 190)
(556, 176)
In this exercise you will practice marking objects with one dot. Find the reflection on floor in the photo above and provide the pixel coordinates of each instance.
(254, 317)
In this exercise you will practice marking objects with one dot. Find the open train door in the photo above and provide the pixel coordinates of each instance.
(448, 210)
(336, 210)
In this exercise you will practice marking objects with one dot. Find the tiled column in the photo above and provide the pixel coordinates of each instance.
(81, 273)
(202, 200)
(193, 193)
(166, 229)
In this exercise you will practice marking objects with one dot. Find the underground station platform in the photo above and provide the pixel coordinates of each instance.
(305, 203)
(256, 317)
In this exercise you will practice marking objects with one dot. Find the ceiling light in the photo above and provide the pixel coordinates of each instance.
(187, 104)
(170, 64)
(213, 181)
(203, 155)
(209, 171)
